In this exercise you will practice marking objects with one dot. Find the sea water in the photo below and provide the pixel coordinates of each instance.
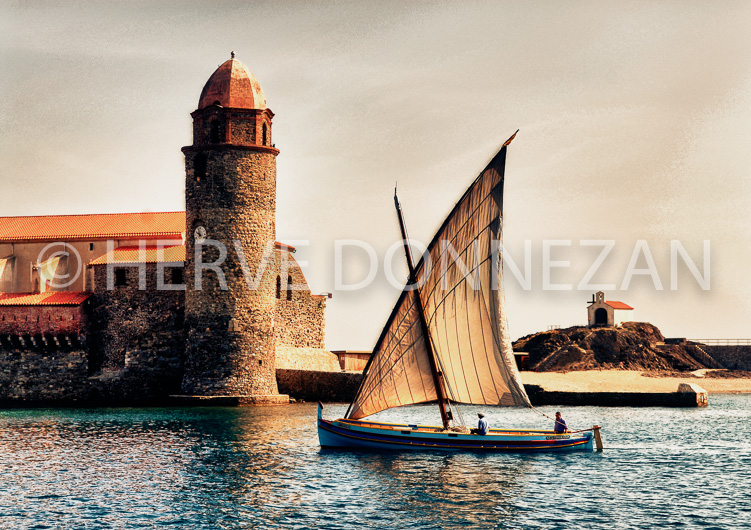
(262, 467)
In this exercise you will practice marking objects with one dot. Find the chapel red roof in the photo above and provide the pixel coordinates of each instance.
(151, 225)
(615, 304)
(49, 298)
(233, 85)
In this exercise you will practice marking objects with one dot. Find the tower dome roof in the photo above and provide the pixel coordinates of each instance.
(233, 85)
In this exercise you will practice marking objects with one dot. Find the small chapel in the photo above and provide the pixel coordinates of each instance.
(608, 313)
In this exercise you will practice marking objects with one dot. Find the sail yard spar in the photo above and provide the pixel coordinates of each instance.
(460, 289)
(412, 284)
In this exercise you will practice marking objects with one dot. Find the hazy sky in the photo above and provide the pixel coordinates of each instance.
(635, 122)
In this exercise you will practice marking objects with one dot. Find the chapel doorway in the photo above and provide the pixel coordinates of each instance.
(601, 317)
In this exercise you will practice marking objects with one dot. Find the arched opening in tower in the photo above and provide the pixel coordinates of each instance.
(200, 166)
(214, 132)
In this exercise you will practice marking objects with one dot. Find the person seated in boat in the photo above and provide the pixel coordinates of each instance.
(482, 425)
(560, 424)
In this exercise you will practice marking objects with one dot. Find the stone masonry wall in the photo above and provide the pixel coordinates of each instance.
(318, 386)
(242, 127)
(730, 357)
(42, 376)
(244, 132)
(137, 335)
(230, 340)
(30, 320)
(300, 317)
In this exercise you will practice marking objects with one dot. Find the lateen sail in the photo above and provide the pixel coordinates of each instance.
(461, 289)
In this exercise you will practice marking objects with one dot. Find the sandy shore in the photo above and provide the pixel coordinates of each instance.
(629, 381)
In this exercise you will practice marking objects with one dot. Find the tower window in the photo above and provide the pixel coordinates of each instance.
(265, 135)
(121, 277)
(91, 246)
(176, 276)
(199, 166)
(214, 132)
(289, 288)
(278, 287)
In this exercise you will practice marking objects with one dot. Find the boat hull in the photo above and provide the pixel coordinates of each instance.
(354, 434)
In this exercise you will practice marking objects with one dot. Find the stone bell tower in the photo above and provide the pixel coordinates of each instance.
(230, 202)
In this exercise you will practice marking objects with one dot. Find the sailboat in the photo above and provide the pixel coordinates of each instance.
(447, 341)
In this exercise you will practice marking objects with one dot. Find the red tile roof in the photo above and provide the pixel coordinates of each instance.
(283, 246)
(151, 254)
(154, 254)
(50, 298)
(617, 305)
(233, 85)
(150, 225)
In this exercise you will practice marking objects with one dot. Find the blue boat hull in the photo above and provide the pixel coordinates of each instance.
(357, 434)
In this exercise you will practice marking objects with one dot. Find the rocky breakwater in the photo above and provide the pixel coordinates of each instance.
(632, 346)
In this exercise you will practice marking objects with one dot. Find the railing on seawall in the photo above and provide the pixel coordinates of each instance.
(722, 342)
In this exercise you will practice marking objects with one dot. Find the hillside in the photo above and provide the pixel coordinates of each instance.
(633, 346)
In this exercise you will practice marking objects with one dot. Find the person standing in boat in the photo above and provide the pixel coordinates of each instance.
(482, 424)
(560, 424)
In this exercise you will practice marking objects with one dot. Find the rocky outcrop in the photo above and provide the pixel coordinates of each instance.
(632, 346)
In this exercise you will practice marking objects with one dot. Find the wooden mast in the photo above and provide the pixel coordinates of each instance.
(437, 374)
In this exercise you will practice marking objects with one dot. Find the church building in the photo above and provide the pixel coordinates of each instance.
(203, 303)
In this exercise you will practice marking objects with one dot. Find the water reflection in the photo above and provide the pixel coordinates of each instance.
(469, 487)
(261, 467)
(240, 457)
(61, 466)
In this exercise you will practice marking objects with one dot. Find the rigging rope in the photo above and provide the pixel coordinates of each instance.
(458, 412)
(532, 407)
